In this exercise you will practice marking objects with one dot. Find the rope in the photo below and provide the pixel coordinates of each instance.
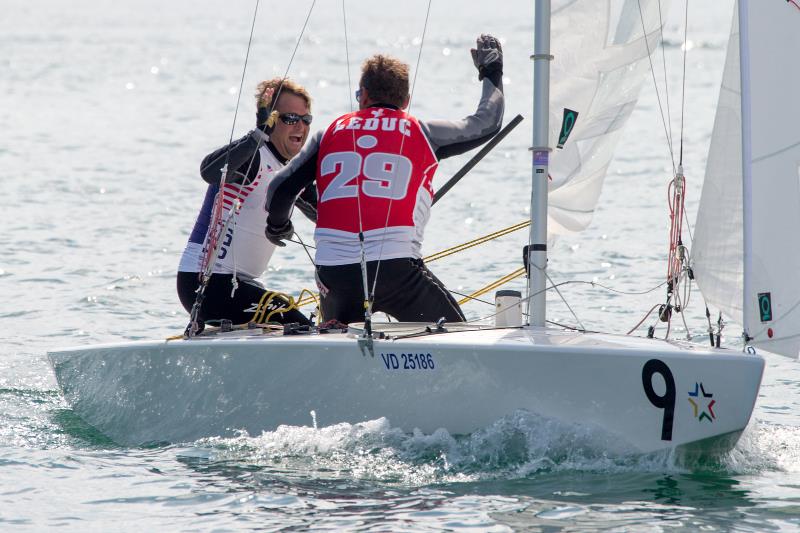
(634, 328)
(677, 260)
(476, 242)
(263, 313)
(505, 279)
(676, 202)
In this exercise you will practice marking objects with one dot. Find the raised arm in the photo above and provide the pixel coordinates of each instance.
(453, 137)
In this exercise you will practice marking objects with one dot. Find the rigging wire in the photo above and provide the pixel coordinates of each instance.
(362, 250)
(679, 272)
(273, 100)
(666, 80)
(277, 93)
(683, 85)
(214, 235)
(213, 238)
(241, 82)
(655, 84)
(402, 143)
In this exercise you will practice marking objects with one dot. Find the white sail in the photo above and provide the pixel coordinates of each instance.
(747, 249)
(717, 250)
(601, 60)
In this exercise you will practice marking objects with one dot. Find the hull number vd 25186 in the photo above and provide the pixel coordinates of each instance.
(408, 361)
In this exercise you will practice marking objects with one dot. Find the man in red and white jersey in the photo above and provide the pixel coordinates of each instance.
(374, 170)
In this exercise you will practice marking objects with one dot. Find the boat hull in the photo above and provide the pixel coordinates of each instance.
(642, 394)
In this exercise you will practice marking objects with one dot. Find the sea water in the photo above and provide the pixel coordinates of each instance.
(107, 110)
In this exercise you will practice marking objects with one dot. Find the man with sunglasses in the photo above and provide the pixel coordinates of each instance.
(373, 170)
(233, 293)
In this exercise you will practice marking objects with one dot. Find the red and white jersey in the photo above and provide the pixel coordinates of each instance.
(376, 162)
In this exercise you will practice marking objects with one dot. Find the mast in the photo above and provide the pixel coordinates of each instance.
(537, 255)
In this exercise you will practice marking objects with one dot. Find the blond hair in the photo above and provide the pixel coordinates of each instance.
(386, 80)
(286, 86)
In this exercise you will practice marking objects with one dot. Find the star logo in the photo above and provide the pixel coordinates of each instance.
(708, 411)
(377, 113)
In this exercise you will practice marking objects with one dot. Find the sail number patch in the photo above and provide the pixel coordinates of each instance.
(567, 124)
(408, 361)
(765, 306)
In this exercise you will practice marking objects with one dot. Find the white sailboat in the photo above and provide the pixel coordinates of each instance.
(639, 394)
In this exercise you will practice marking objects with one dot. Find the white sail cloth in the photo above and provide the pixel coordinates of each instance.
(746, 248)
(600, 61)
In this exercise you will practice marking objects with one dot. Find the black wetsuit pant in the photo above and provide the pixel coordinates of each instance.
(406, 290)
(240, 308)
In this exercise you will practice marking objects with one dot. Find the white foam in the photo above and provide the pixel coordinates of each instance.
(517, 446)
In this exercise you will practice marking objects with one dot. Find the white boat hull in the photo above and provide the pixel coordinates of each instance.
(182, 390)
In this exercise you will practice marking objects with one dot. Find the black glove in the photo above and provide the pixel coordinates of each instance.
(261, 119)
(488, 57)
(276, 235)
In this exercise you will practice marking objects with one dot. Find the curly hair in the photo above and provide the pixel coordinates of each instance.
(289, 86)
(386, 79)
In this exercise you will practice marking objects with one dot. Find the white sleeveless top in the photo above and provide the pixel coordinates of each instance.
(245, 250)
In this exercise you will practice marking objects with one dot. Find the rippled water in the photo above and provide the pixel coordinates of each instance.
(106, 112)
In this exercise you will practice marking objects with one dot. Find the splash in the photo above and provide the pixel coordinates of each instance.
(765, 447)
(522, 445)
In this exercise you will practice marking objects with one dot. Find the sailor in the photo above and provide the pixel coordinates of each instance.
(233, 291)
(373, 170)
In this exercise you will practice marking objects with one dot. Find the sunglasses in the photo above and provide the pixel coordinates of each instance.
(293, 118)
(358, 94)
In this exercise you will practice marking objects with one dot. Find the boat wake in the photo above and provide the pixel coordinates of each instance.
(523, 445)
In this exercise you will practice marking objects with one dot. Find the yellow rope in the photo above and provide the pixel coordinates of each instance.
(444, 253)
(312, 297)
(505, 279)
(261, 315)
(476, 242)
(261, 308)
